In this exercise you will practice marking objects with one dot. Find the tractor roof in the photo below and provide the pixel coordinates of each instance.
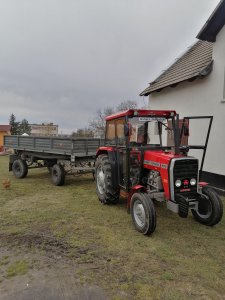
(142, 113)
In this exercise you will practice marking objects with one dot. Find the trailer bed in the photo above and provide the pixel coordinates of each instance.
(54, 145)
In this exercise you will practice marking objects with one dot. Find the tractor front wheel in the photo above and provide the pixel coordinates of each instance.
(143, 213)
(107, 194)
(20, 168)
(210, 208)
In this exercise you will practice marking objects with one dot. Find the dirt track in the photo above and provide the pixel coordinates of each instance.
(53, 275)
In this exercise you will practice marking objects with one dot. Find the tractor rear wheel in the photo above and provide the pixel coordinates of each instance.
(20, 168)
(58, 175)
(210, 208)
(143, 213)
(107, 194)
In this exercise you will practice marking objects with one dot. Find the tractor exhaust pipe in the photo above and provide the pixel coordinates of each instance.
(177, 135)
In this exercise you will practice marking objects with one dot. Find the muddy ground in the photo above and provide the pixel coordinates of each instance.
(53, 275)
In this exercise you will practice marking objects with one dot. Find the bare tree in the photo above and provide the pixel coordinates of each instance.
(98, 123)
(128, 104)
(82, 132)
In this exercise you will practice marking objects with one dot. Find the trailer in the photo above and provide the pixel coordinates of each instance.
(62, 156)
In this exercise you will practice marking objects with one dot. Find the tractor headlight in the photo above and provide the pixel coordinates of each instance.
(178, 183)
(193, 181)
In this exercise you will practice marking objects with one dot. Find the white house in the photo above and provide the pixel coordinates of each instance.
(195, 85)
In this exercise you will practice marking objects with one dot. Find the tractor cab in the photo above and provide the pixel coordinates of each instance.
(145, 159)
(139, 128)
(133, 134)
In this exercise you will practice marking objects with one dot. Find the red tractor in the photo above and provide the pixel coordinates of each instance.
(145, 159)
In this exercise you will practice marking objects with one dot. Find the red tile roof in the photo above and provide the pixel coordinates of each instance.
(5, 127)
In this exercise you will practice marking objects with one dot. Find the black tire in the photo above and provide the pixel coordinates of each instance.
(58, 175)
(210, 208)
(20, 168)
(107, 194)
(143, 213)
(49, 165)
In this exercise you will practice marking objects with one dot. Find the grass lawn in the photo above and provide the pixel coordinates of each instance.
(64, 235)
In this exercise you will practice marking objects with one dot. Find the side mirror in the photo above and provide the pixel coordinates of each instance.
(127, 130)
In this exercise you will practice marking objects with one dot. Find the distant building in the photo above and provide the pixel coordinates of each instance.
(44, 129)
(4, 130)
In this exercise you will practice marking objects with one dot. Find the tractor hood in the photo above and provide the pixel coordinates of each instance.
(160, 161)
(157, 160)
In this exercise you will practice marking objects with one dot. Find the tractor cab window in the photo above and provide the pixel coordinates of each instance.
(120, 137)
(115, 132)
(149, 131)
(137, 132)
(110, 132)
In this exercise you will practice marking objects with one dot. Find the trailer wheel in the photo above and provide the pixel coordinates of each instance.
(20, 168)
(210, 208)
(103, 176)
(143, 213)
(58, 175)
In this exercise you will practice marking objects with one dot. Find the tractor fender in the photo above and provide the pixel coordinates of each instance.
(103, 150)
(138, 188)
(135, 189)
(202, 184)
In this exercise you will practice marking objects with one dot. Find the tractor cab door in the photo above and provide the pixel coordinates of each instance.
(121, 151)
(129, 167)
(128, 159)
(115, 136)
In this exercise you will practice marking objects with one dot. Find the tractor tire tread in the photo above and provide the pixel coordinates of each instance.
(149, 206)
(111, 195)
(217, 208)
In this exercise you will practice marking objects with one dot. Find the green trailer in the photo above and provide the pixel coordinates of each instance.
(62, 156)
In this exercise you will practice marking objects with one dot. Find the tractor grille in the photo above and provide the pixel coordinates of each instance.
(184, 170)
(187, 168)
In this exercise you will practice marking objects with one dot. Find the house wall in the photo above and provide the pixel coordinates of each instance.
(202, 97)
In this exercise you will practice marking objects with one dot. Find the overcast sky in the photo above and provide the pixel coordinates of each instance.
(61, 60)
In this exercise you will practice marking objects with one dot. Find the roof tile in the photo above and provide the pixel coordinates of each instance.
(189, 66)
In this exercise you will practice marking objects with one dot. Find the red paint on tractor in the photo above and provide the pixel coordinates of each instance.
(141, 113)
(202, 183)
(104, 149)
(160, 161)
(135, 189)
